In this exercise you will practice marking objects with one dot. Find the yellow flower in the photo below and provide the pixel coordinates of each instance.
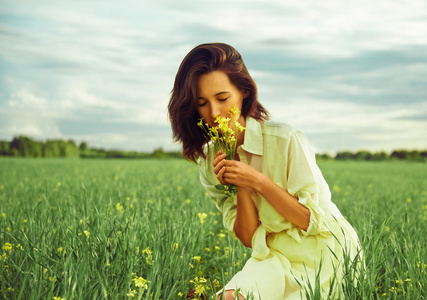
(234, 111)
(132, 293)
(336, 188)
(58, 298)
(221, 235)
(141, 282)
(60, 249)
(87, 233)
(7, 247)
(202, 217)
(197, 258)
(119, 208)
(179, 295)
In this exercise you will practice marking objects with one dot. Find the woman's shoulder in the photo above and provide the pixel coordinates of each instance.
(279, 129)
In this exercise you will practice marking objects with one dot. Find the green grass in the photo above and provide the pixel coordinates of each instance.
(89, 229)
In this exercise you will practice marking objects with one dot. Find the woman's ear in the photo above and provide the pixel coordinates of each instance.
(245, 94)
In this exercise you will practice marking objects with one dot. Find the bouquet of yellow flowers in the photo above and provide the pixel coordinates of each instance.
(224, 138)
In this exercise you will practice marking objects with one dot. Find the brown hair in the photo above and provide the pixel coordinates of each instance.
(182, 106)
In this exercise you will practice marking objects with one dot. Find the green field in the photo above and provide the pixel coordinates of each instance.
(145, 229)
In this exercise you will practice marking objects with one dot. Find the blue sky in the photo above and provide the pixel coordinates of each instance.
(350, 74)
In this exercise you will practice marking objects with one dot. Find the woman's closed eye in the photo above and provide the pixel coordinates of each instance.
(223, 99)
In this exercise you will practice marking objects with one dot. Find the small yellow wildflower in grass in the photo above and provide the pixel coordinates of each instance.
(221, 235)
(224, 138)
(217, 248)
(197, 258)
(180, 295)
(119, 208)
(179, 188)
(4, 215)
(208, 249)
(148, 254)
(140, 282)
(132, 293)
(409, 200)
(58, 298)
(202, 217)
(7, 247)
(58, 184)
(8, 229)
(336, 188)
(87, 233)
(60, 249)
(188, 201)
(199, 285)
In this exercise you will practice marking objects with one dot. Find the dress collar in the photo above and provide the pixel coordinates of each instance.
(253, 142)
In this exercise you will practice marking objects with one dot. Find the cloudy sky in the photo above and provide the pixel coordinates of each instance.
(351, 75)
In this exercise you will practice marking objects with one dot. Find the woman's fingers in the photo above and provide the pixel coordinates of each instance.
(220, 175)
(218, 160)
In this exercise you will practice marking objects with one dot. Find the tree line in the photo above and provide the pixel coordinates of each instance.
(23, 146)
(414, 155)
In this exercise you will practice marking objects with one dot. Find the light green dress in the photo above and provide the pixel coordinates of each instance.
(284, 256)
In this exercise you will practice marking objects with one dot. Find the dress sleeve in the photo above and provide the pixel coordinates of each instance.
(225, 204)
(303, 176)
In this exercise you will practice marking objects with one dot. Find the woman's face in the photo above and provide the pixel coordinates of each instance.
(217, 96)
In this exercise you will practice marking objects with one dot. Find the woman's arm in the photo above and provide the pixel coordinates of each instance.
(246, 221)
(244, 176)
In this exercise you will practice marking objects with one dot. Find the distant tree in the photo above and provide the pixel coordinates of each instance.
(324, 156)
(83, 146)
(4, 148)
(51, 149)
(379, 156)
(159, 153)
(71, 149)
(37, 149)
(399, 154)
(22, 146)
(363, 155)
(344, 155)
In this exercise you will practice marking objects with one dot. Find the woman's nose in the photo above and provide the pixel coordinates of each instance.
(215, 111)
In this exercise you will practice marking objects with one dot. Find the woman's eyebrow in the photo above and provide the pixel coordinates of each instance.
(220, 93)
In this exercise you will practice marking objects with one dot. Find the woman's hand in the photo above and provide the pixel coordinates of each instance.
(241, 175)
(235, 172)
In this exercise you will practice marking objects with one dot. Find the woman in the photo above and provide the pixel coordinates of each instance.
(283, 207)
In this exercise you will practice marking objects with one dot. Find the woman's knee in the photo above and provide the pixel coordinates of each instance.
(229, 295)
